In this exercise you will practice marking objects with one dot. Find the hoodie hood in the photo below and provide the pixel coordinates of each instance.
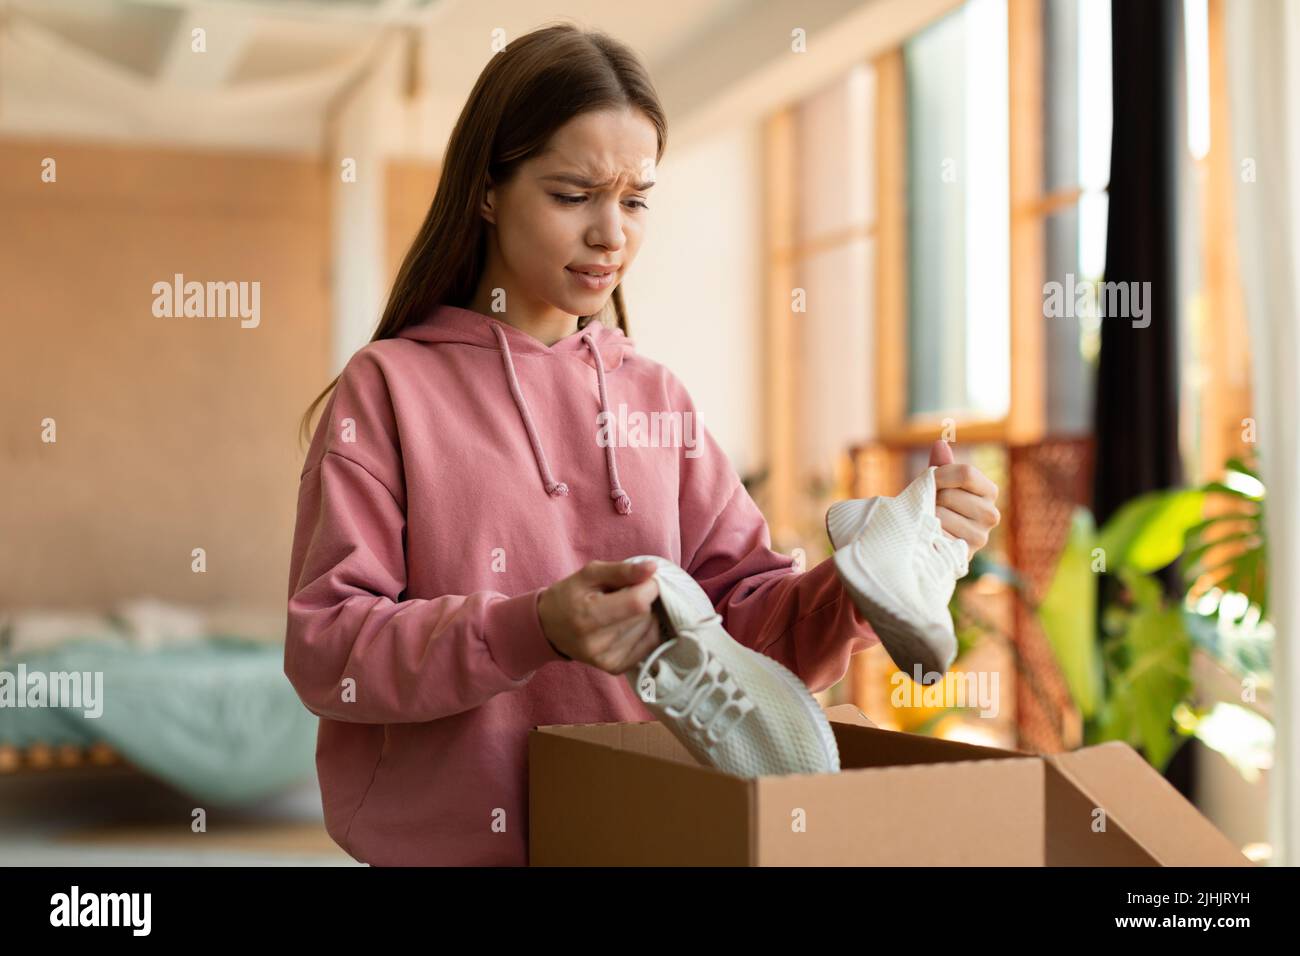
(598, 346)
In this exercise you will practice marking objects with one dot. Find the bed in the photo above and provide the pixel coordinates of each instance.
(208, 711)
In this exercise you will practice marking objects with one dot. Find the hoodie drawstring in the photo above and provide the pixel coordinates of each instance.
(556, 489)
(622, 503)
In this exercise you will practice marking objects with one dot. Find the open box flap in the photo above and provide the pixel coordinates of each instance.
(848, 714)
(1114, 776)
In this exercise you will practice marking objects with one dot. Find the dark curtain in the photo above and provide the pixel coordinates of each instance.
(1136, 415)
(1136, 412)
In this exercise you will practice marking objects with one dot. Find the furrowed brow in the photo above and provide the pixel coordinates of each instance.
(582, 182)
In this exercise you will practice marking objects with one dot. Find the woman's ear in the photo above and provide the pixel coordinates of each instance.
(487, 209)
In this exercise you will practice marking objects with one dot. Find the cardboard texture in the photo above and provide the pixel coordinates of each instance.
(629, 794)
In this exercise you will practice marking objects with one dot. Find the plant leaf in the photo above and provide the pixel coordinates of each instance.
(1236, 464)
(1195, 553)
(1068, 615)
(1220, 488)
(1150, 531)
(1157, 676)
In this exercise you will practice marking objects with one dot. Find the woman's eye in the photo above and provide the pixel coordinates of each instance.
(568, 200)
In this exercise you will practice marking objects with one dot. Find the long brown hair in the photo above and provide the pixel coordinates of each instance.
(535, 85)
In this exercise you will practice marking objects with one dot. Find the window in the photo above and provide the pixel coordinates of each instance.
(958, 326)
(1071, 207)
(920, 203)
(819, 342)
(981, 222)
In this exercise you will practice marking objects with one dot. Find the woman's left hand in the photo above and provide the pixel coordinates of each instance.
(964, 500)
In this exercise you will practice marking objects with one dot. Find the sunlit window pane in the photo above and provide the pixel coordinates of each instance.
(1077, 137)
(1196, 38)
(958, 232)
(1094, 83)
(1060, 95)
(1069, 321)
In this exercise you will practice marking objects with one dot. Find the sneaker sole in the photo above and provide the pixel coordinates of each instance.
(907, 644)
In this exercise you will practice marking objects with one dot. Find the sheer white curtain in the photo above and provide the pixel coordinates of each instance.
(1263, 42)
(836, 209)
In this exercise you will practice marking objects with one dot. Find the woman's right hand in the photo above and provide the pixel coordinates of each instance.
(601, 615)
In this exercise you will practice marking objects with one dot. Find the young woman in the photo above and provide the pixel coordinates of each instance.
(456, 575)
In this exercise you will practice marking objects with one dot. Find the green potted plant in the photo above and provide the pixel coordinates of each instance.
(1134, 684)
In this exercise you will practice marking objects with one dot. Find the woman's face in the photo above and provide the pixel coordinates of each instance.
(579, 205)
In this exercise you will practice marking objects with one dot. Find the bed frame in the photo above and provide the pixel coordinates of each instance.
(38, 757)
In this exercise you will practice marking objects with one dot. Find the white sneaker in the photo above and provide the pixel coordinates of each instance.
(733, 708)
(900, 569)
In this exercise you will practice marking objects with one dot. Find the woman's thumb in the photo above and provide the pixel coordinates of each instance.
(940, 453)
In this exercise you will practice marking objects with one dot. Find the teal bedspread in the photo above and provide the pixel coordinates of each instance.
(216, 719)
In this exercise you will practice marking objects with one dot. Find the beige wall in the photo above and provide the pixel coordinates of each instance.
(409, 186)
(172, 433)
(695, 292)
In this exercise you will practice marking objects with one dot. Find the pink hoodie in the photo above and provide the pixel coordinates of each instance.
(456, 474)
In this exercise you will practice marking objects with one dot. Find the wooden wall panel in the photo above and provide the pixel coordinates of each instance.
(172, 433)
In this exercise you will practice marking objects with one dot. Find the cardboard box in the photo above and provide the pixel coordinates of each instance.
(631, 794)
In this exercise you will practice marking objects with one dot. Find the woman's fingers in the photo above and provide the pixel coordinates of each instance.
(612, 575)
(959, 526)
(967, 477)
(615, 607)
(980, 510)
(601, 614)
(965, 505)
(647, 642)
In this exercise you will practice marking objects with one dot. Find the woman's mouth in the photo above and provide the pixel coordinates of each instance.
(593, 279)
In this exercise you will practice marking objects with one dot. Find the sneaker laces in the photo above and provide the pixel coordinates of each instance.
(700, 686)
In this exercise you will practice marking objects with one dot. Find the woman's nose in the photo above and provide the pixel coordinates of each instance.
(607, 230)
